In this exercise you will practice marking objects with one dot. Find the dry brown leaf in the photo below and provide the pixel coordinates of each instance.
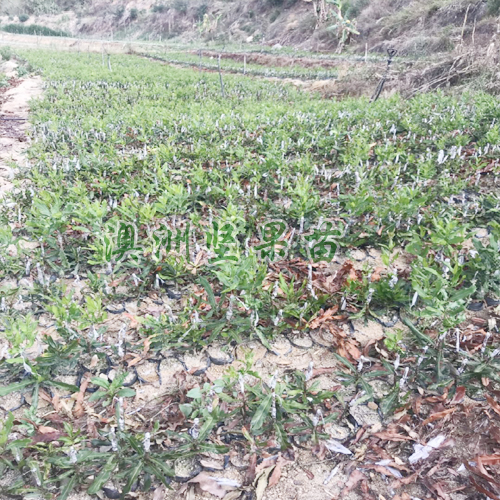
(322, 371)
(379, 468)
(54, 417)
(250, 472)
(266, 463)
(483, 490)
(216, 486)
(403, 496)
(134, 361)
(211, 465)
(276, 475)
(438, 488)
(355, 477)
(45, 396)
(481, 472)
(94, 361)
(495, 433)
(47, 437)
(147, 345)
(391, 436)
(489, 459)
(159, 493)
(46, 430)
(494, 405)
(261, 483)
(134, 321)
(459, 395)
(326, 316)
(376, 273)
(405, 480)
(78, 410)
(350, 350)
(438, 416)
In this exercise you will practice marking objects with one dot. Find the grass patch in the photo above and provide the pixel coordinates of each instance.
(33, 29)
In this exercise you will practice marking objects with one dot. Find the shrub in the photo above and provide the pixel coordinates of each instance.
(23, 18)
(274, 16)
(119, 12)
(6, 53)
(201, 11)
(180, 6)
(493, 7)
(354, 7)
(134, 14)
(307, 24)
(32, 29)
(159, 7)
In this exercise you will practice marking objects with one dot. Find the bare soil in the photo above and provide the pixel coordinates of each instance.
(14, 109)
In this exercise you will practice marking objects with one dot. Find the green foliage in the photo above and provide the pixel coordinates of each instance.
(201, 10)
(32, 29)
(275, 14)
(120, 10)
(404, 178)
(6, 53)
(158, 7)
(20, 332)
(493, 7)
(134, 14)
(23, 18)
(353, 8)
(180, 6)
(110, 390)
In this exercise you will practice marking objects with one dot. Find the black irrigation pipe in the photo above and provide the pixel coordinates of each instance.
(116, 311)
(23, 403)
(390, 323)
(288, 334)
(220, 361)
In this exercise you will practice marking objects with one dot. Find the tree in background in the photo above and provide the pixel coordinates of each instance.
(330, 11)
(345, 28)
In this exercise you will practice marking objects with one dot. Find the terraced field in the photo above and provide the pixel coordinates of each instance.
(234, 288)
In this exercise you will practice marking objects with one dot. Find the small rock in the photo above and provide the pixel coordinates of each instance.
(365, 416)
(338, 432)
(186, 468)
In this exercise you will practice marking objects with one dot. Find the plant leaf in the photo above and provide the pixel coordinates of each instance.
(68, 488)
(389, 403)
(126, 392)
(210, 293)
(103, 476)
(15, 387)
(133, 475)
(261, 414)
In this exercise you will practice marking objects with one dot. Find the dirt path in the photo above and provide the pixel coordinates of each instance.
(14, 111)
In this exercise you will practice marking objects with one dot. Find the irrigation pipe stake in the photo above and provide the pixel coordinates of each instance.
(391, 53)
(220, 77)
